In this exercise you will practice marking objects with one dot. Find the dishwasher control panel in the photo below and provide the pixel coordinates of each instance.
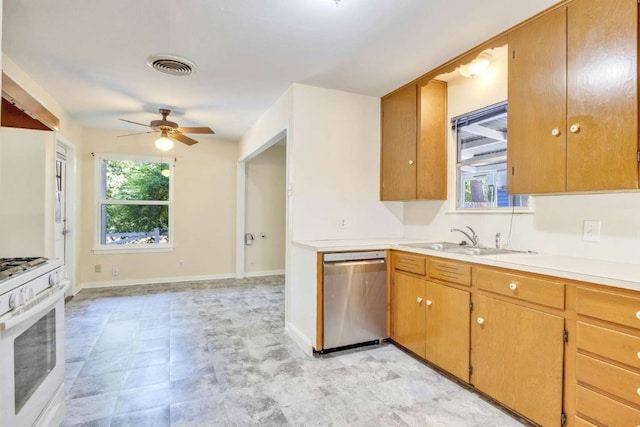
(354, 256)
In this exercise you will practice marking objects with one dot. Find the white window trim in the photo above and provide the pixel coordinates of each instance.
(100, 249)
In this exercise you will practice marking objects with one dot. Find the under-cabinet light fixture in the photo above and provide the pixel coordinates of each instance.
(478, 66)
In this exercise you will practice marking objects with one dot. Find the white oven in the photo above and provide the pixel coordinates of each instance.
(32, 351)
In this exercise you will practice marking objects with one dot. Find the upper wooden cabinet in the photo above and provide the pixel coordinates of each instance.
(573, 102)
(414, 140)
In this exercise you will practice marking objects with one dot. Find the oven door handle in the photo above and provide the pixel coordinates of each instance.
(35, 308)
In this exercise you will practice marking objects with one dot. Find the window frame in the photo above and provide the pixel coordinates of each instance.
(100, 201)
(471, 117)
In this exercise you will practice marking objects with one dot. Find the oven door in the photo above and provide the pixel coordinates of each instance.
(32, 364)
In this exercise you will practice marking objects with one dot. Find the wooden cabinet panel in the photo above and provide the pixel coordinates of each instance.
(432, 147)
(399, 139)
(450, 271)
(408, 305)
(619, 382)
(537, 102)
(617, 346)
(606, 411)
(582, 423)
(621, 309)
(447, 329)
(517, 358)
(602, 95)
(526, 288)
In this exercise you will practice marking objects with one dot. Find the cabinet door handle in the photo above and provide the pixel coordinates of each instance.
(480, 320)
(639, 355)
(575, 128)
(555, 132)
(429, 302)
(410, 162)
(638, 391)
(419, 300)
(638, 315)
(513, 286)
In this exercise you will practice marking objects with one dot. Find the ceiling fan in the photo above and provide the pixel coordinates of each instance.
(169, 130)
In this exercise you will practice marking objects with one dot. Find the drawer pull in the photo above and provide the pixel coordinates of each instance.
(480, 320)
(638, 315)
(513, 286)
(419, 300)
(639, 355)
(429, 302)
(638, 391)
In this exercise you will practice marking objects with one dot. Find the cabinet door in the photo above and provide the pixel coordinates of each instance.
(399, 139)
(448, 329)
(517, 358)
(432, 148)
(602, 95)
(536, 148)
(408, 302)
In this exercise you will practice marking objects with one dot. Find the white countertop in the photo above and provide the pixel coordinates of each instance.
(621, 275)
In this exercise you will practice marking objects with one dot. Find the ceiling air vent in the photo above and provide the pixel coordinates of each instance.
(170, 64)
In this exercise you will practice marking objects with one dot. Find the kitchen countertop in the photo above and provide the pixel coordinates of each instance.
(618, 274)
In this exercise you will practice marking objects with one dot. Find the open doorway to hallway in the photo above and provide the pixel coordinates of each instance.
(265, 212)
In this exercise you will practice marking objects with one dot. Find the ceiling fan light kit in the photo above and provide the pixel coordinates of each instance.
(164, 143)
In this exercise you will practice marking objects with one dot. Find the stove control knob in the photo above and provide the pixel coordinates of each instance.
(17, 299)
(29, 292)
(54, 278)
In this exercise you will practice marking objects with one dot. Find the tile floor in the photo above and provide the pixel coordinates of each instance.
(216, 354)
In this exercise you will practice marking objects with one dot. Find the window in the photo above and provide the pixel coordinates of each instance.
(482, 160)
(134, 206)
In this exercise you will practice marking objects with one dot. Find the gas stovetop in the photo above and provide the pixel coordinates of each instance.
(11, 266)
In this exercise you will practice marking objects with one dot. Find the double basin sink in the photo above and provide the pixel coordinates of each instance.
(455, 248)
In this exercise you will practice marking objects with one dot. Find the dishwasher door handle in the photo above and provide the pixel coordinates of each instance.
(348, 263)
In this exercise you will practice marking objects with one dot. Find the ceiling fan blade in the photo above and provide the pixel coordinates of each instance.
(137, 133)
(201, 130)
(184, 139)
(135, 123)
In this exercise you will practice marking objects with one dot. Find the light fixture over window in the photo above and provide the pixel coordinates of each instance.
(477, 66)
(164, 143)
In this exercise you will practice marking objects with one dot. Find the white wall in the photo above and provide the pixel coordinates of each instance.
(335, 167)
(203, 215)
(265, 211)
(556, 225)
(27, 180)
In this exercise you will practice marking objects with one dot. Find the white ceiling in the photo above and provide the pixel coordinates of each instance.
(91, 55)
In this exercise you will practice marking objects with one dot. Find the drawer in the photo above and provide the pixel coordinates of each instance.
(525, 288)
(415, 264)
(604, 410)
(623, 348)
(450, 271)
(621, 309)
(617, 381)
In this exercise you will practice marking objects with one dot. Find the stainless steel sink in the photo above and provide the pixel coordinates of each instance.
(456, 248)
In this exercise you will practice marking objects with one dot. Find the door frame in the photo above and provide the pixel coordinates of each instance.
(70, 193)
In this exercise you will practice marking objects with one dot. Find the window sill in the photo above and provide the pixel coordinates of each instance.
(490, 211)
(131, 250)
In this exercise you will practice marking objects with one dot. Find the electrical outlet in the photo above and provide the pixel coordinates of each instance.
(181, 263)
(115, 271)
(342, 224)
(591, 231)
(97, 268)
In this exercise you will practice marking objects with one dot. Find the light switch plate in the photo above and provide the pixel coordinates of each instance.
(591, 231)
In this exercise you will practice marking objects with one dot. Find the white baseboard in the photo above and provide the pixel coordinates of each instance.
(263, 273)
(299, 338)
(150, 281)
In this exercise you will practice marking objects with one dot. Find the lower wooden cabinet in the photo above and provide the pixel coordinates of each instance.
(408, 312)
(517, 358)
(447, 329)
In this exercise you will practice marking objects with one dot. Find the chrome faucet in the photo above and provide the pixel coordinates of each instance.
(473, 238)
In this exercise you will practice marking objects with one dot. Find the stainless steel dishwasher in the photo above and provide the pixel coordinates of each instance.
(355, 298)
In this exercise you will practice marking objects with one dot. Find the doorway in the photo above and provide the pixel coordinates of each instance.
(64, 241)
